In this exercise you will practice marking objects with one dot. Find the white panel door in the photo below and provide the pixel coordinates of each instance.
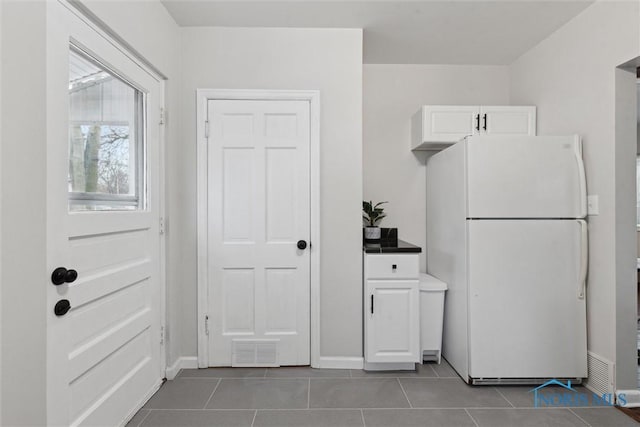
(392, 321)
(527, 311)
(525, 177)
(259, 208)
(105, 352)
(508, 120)
(449, 123)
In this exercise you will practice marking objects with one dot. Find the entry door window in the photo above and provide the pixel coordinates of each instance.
(106, 138)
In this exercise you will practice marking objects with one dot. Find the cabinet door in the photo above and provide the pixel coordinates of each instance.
(449, 123)
(392, 321)
(508, 121)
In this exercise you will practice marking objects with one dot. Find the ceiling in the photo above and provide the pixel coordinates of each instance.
(402, 32)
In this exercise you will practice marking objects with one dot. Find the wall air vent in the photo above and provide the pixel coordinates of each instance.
(601, 374)
(254, 353)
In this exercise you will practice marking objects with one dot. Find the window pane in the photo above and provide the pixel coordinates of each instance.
(105, 139)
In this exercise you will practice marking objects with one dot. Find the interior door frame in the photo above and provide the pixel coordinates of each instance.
(203, 96)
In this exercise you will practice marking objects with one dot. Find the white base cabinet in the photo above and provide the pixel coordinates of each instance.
(435, 127)
(391, 311)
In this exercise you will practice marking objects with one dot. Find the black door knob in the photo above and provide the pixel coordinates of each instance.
(61, 275)
(302, 244)
(71, 276)
(62, 307)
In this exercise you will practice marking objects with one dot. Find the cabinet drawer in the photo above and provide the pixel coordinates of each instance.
(381, 266)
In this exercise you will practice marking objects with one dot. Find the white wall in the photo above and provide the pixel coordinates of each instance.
(252, 58)
(24, 200)
(149, 30)
(392, 94)
(571, 77)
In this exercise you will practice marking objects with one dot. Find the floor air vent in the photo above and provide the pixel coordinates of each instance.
(601, 372)
(250, 353)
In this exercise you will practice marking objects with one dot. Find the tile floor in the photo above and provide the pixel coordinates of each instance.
(432, 396)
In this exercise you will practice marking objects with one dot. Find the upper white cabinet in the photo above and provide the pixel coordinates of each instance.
(437, 126)
(507, 121)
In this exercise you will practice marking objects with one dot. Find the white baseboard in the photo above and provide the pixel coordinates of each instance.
(340, 363)
(629, 398)
(181, 363)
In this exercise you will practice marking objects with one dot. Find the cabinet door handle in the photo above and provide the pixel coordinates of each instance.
(371, 303)
(484, 125)
(478, 122)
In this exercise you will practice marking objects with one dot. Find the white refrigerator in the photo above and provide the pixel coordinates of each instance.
(506, 231)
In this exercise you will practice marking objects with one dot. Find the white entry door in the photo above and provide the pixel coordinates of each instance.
(104, 295)
(258, 226)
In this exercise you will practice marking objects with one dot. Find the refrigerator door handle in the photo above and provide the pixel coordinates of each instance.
(582, 177)
(584, 258)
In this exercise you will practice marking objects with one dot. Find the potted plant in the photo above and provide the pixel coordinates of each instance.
(372, 214)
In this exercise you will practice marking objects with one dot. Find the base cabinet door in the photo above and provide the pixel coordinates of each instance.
(392, 321)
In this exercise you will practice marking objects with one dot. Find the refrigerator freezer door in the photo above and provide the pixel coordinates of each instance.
(527, 317)
(525, 177)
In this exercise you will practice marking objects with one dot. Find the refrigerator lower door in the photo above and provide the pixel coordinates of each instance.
(527, 311)
(525, 177)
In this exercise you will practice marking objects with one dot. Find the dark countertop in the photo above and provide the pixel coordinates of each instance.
(390, 247)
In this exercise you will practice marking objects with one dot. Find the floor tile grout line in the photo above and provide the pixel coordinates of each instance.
(364, 377)
(302, 377)
(212, 393)
(144, 418)
(433, 370)
(404, 392)
(309, 394)
(471, 416)
(222, 409)
(504, 397)
(255, 414)
(364, 423)
(579, 417)
(495, 408)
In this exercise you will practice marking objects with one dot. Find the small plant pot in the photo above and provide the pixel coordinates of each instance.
(372, 233)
